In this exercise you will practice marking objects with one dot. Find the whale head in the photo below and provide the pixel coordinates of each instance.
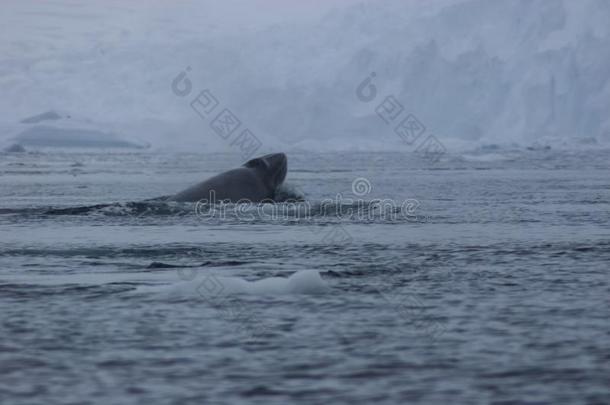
(273, 168)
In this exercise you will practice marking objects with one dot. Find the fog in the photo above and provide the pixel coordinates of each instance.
(473, 72)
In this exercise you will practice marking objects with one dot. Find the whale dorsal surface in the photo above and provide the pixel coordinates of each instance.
(255, 181)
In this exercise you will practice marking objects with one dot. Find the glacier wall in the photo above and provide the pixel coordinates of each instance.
(472, 71)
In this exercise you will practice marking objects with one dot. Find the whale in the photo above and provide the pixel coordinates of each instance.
(256, 181)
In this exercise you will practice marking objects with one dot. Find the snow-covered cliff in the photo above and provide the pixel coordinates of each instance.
(472, 71)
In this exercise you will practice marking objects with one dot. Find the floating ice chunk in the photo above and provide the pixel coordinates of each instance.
(301, 282)
(212, 287)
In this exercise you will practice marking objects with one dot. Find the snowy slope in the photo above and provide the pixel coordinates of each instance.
(472, 71)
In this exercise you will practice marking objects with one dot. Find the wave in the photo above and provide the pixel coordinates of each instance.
(291, 209)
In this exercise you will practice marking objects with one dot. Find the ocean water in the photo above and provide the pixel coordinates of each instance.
(480, 278)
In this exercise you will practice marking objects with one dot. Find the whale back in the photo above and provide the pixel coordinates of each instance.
(255, 181)
(272, 168)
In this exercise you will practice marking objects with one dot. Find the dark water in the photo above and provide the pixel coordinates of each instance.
(490, 284)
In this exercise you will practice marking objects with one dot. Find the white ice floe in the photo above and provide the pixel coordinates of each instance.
(209, 285)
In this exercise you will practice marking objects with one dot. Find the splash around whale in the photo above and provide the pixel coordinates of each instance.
(256, 181)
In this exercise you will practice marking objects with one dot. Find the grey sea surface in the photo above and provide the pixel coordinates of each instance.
(492, 287)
